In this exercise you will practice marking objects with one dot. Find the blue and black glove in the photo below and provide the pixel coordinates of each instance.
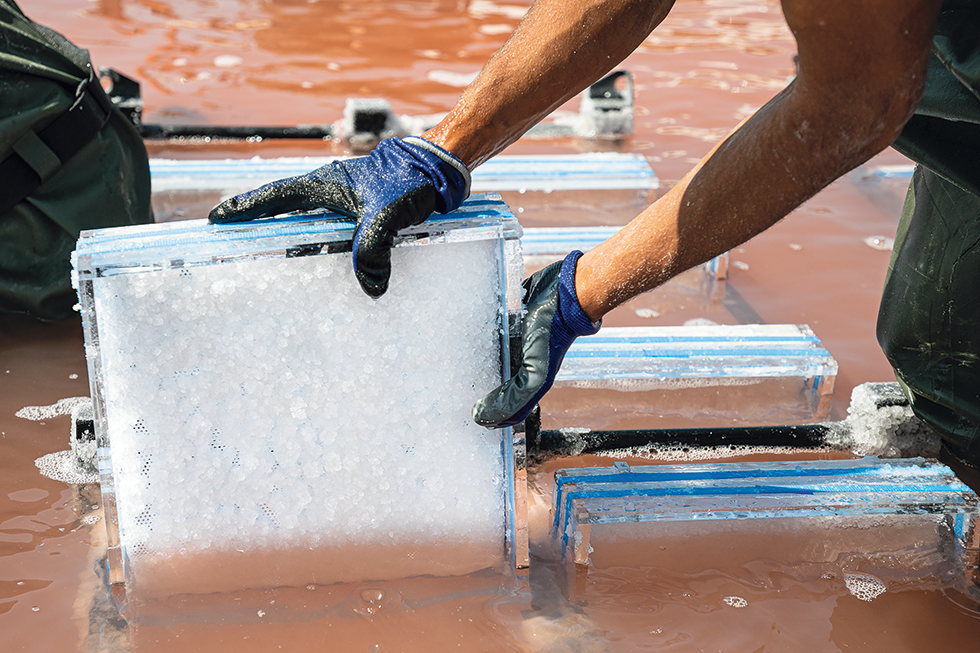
(400, 184)
(554, 319)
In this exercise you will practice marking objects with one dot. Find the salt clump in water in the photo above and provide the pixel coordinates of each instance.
(881, 423)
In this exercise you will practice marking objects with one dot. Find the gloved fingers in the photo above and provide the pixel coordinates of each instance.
(513, 400)
(372, 258)
(301, 193)
(510, 403)
(376, 234)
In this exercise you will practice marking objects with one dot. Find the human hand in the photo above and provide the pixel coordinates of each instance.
(554, 319)
(399, 184)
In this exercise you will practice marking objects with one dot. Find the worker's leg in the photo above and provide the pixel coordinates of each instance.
(35, 264)
(929, 320)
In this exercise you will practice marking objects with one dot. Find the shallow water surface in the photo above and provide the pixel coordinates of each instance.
(728, 586)
(254, 62)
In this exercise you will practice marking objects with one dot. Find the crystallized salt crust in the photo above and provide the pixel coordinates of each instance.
(270, 404)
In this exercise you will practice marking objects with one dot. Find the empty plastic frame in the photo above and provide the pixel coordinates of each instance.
(667, 377)
(587, 500)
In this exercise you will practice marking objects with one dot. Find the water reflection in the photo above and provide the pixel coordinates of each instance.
(239, 63)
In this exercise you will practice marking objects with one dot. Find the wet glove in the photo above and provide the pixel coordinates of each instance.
(554, 319)
(398, 185)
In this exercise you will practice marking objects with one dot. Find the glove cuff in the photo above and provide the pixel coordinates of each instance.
(447, 157)
(568, 305)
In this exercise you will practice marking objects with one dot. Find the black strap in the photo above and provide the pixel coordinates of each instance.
(39, 156)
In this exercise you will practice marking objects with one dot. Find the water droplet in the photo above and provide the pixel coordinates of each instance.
(312, 588)
(880, 243)
(372, 595)
(35, 608)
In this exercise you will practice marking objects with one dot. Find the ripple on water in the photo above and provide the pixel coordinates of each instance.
(371, 601)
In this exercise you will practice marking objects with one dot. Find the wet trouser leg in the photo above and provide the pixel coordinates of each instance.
(35, 264)
(929, 320)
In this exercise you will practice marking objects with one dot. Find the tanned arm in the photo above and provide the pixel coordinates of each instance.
(862, 66)
(558, 50)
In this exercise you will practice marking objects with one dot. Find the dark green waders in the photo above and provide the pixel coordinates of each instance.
(68, 161)
(929, 320)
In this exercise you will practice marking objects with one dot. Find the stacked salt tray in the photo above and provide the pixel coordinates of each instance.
(264, 423)
(822, 527)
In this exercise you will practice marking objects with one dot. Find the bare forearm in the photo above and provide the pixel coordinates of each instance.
(848, 103)
(559, 48)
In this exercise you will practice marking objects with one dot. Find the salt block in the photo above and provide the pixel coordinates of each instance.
(262, 422)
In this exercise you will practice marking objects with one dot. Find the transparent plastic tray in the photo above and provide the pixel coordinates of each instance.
(590, 498)
(262, 422)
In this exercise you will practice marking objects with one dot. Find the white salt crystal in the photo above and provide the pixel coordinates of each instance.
(267, 400)
(880, 423)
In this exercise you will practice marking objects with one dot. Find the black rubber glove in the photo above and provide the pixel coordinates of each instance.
(401, 183)
(554, 319)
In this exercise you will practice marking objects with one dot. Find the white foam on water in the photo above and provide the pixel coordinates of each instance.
(57, 409)
(735, 601)
(272, 404)
(647, 384)
(865, 586)
(450, 78)
(60, 466)
(662, 451)
(646, 313)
